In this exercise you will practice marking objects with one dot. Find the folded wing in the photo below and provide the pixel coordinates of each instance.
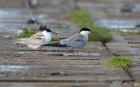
(75, 41)
(36, 39)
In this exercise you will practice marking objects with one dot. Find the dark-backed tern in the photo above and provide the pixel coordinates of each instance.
(75, 41)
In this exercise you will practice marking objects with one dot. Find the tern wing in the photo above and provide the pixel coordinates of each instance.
(36, 39)
(75, 41)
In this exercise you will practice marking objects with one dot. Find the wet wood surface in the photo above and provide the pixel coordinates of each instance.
(21, 67)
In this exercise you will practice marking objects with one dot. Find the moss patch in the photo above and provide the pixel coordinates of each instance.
(55, 38)
(119, 61)
(83, 19)
(26, 32)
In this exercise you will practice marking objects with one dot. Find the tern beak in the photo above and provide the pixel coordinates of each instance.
(92, 31)
(54, 33)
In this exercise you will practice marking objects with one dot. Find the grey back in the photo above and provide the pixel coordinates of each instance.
(75, 41)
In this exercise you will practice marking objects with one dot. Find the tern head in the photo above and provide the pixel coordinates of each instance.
(86, 31)
(49, 31)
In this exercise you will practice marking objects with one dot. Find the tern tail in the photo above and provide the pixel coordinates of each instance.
(21, 41)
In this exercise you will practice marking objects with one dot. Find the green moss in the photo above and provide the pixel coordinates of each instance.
(118, 61)
(31, 31)
(82, 18)
(26, 32)
(138, 32)
(55, 38)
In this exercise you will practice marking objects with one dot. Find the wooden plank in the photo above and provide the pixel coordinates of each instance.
(54, 84)
(61, 74)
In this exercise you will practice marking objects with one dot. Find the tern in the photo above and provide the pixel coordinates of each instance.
(37, 40)
(75, 41)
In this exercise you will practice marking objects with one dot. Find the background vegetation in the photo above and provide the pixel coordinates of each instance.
(83, 19)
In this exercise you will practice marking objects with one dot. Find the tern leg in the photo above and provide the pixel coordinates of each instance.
(77, 54)
(72, 52)
(36, 51)
(41, 50)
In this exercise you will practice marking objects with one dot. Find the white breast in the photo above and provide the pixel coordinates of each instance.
(48, 37)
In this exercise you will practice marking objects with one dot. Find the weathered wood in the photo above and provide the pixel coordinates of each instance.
(55, 84)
